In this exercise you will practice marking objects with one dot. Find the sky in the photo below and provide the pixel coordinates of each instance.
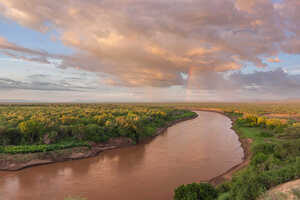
(149, 50)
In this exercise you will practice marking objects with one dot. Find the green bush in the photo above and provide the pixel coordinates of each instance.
(32, 130)
(224, 196)
(272, 163)
(297, 164)
(196, 191)
(258, 159)
(224, 187)
(266, 134)
(266, 148)
(10, 136)
(247, 185)
(95, 133)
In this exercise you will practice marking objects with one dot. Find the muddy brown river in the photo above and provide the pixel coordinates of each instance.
(187, 152)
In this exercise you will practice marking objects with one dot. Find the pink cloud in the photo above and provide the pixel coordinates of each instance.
(150, 42)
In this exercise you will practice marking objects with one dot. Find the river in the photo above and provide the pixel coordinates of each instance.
(190, 151)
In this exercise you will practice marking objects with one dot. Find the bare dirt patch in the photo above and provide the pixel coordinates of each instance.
(286, 191)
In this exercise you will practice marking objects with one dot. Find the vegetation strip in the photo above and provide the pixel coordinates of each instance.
(41, 148)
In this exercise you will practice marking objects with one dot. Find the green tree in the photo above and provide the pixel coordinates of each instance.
(31, 129)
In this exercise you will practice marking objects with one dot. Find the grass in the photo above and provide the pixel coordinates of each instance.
(258, 135)
(40, 148)
(249, 132)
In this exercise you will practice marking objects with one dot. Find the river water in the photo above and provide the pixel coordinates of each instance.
(187, 152)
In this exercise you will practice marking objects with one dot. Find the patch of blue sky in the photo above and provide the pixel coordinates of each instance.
(288, 62)
(9, 67)
(277, 1)
(291, 63)
(32, 39)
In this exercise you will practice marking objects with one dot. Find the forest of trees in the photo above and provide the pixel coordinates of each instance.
(30, 128)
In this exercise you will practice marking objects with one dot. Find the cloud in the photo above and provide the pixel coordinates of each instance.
(274, 60)
(152, 42)
(41, 82)
(276, 83)
(18, 52)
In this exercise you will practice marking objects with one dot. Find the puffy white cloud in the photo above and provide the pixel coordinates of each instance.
(151, 42)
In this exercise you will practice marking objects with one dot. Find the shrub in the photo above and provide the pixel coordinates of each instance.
(266, 134)
(196, 191)
(261, 121)
(272, 163)
(250, 120)
(266, 148)
(287, 149)
(292, 132)
(280, 175)
(10, 136)
(51, 137)
(78, 131)
(224, 196)
(247, 185)
(94, 133)
(31, 129)
(275, 123)
(224, 187)
(258, 159)
(297, 166)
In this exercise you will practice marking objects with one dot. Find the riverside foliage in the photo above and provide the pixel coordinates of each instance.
(38, 128)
